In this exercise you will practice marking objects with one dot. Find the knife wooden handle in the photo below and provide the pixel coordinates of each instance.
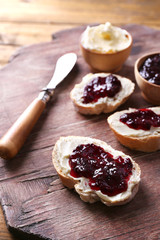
(15, 137)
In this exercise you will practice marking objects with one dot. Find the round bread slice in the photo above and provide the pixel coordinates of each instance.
(141, 140)
(64, 148)
(104, 104)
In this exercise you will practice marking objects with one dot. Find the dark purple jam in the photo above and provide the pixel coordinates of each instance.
(105, 173)
(141, 119)
(150, 70)
(101, 87)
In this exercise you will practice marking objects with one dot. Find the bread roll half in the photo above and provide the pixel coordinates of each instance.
(104, 104)
(64, 148)
(141, 140)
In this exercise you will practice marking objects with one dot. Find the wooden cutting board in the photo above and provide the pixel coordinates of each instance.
(33, 207)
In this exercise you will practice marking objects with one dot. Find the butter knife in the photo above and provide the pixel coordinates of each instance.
(15, 137)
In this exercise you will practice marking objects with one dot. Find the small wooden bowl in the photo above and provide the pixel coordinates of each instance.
(150, 91)
(106, 62)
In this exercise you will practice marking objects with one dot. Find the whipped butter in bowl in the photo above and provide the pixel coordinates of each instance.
(105, 47)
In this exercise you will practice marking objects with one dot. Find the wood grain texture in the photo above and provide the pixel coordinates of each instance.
(24, 22)
(34, 206)
(78, 12)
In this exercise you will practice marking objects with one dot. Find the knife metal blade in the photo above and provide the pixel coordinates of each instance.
(63, 66)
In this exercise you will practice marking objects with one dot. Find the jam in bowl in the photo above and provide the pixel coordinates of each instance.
(150, 69)
(147, 74)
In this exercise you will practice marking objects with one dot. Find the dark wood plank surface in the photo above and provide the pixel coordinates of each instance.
(31, 204)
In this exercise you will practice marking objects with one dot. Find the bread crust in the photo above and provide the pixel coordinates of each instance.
(149, 143)
(91, 195)
(104, 105)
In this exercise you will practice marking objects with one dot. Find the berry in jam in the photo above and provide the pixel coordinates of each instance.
(150, 69)
(100, 87)
(105, 173)
(141, 119)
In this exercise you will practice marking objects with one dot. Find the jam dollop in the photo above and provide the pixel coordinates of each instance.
(101, 87)
(150, 69)
(141, 119)
(105, 173)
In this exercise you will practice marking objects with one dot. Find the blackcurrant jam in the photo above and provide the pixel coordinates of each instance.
(150, 70)
(105, 173)
(100, 87)
(141, 119)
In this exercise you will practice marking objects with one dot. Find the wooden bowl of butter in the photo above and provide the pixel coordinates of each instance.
(105, 47)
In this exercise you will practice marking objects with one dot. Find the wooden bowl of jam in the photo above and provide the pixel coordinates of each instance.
(147, 74)
(98, 57)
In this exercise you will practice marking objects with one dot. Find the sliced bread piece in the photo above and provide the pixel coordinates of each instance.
(104, 104)
(63, 151)
(142, 140)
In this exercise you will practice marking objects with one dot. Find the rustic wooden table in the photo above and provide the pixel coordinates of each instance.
(24, 22)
